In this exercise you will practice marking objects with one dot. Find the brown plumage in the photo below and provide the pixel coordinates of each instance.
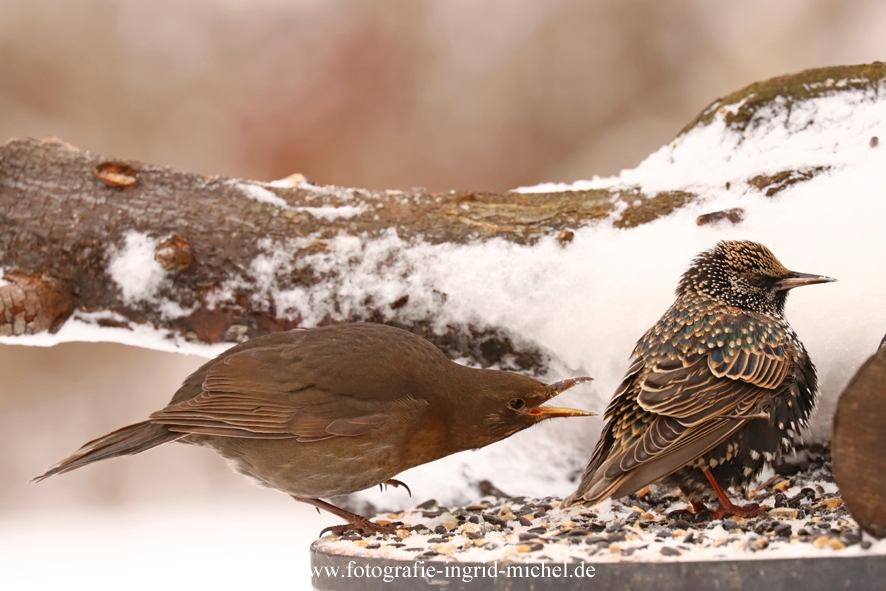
(717, 387)
(329, 411)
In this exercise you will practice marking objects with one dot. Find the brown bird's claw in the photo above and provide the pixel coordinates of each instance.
(354, 522)
(396, 484)
(361, 524)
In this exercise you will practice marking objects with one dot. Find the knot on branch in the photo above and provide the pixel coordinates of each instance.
(31, 304)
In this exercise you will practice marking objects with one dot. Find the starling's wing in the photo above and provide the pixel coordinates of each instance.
(277, 393)
(672, 411)
(719, 382)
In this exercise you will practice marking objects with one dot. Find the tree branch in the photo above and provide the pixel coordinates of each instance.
(131, 243)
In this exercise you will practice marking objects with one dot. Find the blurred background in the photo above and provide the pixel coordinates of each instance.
(384, 94)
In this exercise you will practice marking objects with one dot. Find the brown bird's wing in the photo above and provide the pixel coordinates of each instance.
(672, 411)
(275, 393)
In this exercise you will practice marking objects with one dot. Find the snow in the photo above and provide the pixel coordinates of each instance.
(133, 268)
(586, 302)
(290, 182)
(832, 131)
(141, 548)
(262, 195)
(327, 212)
(331, 213)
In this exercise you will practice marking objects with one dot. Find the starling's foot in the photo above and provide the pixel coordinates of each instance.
(751, 510)
(684, 514)
(397, 484)
(727, 507)
(698, 507)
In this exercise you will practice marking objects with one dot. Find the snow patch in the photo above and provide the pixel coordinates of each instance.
(260, 194)
(830, 131)
(333, 213)
(133, 268)
(290, 182)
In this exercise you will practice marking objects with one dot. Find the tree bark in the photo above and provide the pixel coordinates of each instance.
(65, 212)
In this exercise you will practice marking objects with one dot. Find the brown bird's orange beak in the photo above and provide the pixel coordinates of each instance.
(550, 412)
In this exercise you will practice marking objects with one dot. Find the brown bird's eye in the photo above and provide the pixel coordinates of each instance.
(757, 280)
(517, 403)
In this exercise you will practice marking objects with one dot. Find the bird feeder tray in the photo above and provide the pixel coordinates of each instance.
(811, 535)
(806, 539)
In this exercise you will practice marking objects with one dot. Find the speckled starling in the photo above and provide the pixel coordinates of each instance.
(719, 386)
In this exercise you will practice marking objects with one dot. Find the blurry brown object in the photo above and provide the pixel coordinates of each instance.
(858, 445)
(116, 174)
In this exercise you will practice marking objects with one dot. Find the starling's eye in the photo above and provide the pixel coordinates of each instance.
(517, 403)
(757, 280)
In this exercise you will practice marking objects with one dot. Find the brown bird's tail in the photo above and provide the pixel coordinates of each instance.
(122, 442)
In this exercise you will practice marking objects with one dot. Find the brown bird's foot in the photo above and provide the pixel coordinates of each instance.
(354, 522)
(361, 525)
(727, 507)
(396, 484)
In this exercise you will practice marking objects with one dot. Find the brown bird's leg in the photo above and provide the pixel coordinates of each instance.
(726, 506)
(398, 484)
(354, 521)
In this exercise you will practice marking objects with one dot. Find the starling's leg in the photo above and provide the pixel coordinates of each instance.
(726, 506)
(355, 521)
(397, 484)
(697, 506)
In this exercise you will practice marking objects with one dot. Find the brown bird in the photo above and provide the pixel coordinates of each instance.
(720, 385)
(329, 411)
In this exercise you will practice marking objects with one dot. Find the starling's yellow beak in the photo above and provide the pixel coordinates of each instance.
(800, 279)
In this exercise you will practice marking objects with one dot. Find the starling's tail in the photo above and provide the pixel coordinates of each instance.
(122, 442)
